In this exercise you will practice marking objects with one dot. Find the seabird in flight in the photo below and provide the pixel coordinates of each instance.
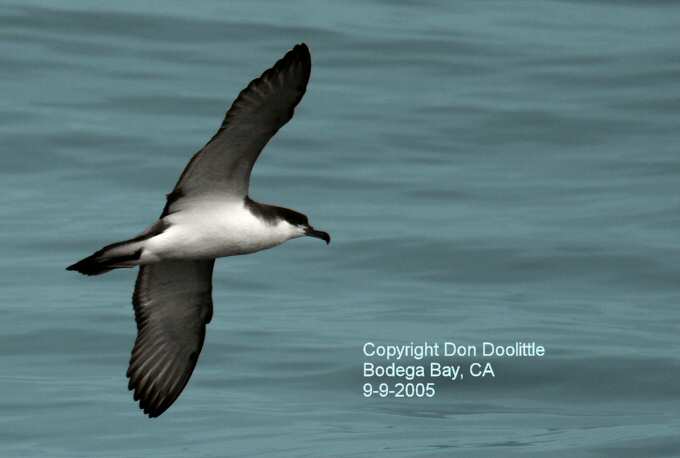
(207, 215)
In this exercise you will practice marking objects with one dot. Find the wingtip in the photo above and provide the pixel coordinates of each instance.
(151, 410)
(76, 267)
(302, 51)
(153, 413)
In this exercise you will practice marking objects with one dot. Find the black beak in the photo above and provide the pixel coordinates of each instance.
(311, 232)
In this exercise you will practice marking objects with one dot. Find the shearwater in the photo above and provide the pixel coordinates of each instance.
(207, 215)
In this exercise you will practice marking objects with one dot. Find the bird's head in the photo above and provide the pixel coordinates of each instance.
(300, 225)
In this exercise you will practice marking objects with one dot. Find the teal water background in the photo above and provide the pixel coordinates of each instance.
(488, 171)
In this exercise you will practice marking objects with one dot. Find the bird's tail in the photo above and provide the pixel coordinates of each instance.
(114, 256)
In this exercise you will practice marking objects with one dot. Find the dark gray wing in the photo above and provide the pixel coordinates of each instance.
(173, 303)
(224, 164)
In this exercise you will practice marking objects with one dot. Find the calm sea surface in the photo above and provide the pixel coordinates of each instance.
(488, 171)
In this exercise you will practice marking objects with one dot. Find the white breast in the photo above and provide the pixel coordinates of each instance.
(215, 229)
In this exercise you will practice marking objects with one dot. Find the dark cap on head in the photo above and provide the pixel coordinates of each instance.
(273, 214)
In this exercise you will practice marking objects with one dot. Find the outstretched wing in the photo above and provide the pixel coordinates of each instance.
(173, 303)
(260, 110)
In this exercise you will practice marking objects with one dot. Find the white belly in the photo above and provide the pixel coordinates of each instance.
(214, 230)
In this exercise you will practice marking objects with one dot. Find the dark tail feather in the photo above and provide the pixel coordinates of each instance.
(117, 255)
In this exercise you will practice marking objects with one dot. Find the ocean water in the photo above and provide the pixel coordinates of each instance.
(488, 170)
